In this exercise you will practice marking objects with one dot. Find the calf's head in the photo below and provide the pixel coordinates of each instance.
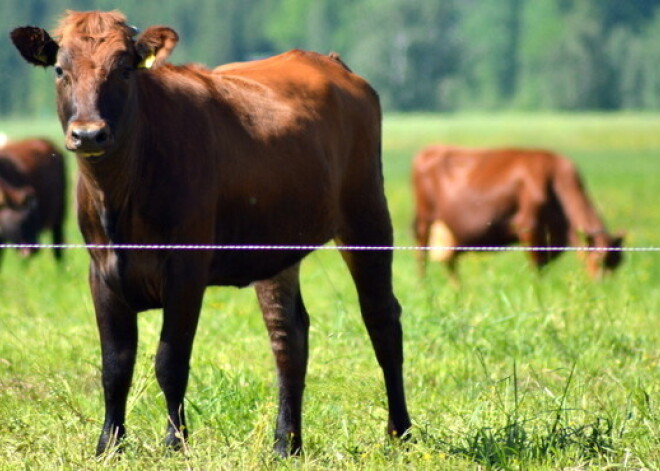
(96, 58)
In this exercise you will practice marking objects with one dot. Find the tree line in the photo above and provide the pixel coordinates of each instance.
(436, 55)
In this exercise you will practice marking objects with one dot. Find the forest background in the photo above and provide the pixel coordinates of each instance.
(433, 55)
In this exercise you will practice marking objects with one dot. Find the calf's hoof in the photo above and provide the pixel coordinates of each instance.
(289, 445)
(110, 441)
(175, 439)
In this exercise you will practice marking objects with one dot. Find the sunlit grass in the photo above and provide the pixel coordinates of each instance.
(514, 371)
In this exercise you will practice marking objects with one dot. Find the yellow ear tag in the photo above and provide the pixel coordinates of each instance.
(147, 62)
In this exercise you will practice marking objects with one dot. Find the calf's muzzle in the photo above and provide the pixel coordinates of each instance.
(88, 139)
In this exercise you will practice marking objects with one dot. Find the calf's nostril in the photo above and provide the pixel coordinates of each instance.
(90, 137)
(101, 137)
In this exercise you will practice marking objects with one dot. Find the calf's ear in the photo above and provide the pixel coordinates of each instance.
(155, 45)
(35, 45)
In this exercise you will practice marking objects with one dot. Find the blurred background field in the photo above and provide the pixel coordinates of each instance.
(514, 370)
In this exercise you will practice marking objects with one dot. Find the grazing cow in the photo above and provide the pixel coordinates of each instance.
(496, 197)
(284, 150)
(33, 193)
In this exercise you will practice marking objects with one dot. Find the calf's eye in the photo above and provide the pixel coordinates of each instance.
(58, 71)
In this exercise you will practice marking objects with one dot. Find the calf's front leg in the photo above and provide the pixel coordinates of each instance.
(181, 308)
(117, 326)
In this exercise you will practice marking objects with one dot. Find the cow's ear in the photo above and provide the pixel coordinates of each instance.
(155, 45)
(35, 45)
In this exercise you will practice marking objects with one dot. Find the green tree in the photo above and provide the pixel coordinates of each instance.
(419, 54)
(489, 43)
(407, 49)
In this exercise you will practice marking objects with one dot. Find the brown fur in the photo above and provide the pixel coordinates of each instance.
(107, 27)
(336, 57)
(495, 197)
(37, 164)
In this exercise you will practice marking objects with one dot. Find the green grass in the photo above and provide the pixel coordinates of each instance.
(514, 371)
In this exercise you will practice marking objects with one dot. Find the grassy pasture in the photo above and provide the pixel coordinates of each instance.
(514, 371)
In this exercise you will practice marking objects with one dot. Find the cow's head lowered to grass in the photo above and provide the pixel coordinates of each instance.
(95, 64)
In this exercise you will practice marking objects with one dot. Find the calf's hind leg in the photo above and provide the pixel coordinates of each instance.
(58, 239)
(372, 273)
(287, 322)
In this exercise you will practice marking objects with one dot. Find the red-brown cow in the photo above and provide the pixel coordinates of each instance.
(18, 210)
(280, 151)
(33, 192)
(495, 197)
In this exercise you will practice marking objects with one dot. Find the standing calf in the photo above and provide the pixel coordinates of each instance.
(280, 151)
(495, 197)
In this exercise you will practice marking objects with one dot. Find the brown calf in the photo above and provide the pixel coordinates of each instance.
(280, 151)
(495, 197)
(33, 192)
